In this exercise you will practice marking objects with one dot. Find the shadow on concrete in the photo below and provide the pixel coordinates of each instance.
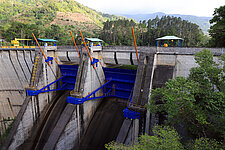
(104, 126)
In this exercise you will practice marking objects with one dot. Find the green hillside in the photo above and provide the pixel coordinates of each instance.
(43, 14)
(46, 10)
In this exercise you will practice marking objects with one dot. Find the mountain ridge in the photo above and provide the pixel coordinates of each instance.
(57, 12)
(203, 22)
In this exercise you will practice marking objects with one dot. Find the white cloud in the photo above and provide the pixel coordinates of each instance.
(188, 7)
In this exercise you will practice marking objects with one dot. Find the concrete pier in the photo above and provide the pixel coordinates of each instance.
(16, 68)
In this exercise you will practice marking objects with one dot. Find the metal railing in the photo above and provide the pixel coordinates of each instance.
(17, 47)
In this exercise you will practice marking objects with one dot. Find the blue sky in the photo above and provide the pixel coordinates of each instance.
(187, 7)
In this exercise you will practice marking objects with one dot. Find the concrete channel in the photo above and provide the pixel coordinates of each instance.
(104, 126)
(46, 123)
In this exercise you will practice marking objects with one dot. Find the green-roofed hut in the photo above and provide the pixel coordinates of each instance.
(169, 38)
(94, 44)
(47, 42)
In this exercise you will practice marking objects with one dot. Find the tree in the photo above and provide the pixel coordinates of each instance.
(206, 144)
(118, 32)
(210, 79)
(198, 101)
(217, 30)
(164, 138)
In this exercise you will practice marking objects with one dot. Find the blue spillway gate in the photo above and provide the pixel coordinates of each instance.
(118, 83)
(122, 81)
(70, 73)
(65, 82)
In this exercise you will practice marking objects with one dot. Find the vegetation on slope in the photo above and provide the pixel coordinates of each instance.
(42, 14)
(46, 10)
(119, 32)
(202, 22)
(54, 18)
(196, 103)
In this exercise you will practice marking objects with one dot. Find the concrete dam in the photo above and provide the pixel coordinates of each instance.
(71, 102)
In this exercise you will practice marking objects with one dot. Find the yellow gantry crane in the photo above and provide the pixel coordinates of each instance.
(17, 43)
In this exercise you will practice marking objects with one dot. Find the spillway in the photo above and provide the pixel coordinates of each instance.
(46, 121)
(104, 126)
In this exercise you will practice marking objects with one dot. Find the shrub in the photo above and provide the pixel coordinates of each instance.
(164, 138)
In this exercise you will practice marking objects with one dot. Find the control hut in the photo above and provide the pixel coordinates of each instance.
(47, 42)
(94, 44)
(171, 41)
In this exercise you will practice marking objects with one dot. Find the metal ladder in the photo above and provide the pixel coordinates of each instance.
(34, 72)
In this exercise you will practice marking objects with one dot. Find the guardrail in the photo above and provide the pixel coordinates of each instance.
(17, 47)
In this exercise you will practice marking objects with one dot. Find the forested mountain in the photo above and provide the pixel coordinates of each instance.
(203, 22)
(47, 11)
(45, 16)
(54, 19)
(119, 32)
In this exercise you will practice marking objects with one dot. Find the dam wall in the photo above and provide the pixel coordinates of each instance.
(17, 66)
(126, 55)
(15, 75)
(37, 111)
